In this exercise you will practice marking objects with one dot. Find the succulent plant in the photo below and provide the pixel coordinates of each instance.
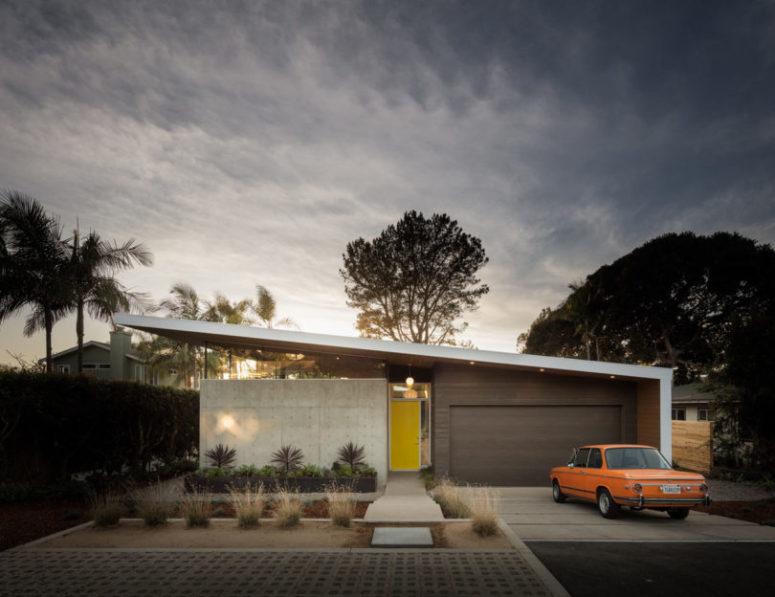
(351, 454)
(221, 456)
(288, 459)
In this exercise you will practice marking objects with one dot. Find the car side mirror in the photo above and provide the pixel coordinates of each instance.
(571, 465)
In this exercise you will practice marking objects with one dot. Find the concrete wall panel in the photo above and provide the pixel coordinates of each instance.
(317, 415)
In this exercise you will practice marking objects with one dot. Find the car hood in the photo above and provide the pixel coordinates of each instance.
(654, 474)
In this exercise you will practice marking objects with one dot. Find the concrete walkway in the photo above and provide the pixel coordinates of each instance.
(532, 514)
(404, 500)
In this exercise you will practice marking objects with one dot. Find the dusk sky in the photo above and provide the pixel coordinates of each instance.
(247, 143)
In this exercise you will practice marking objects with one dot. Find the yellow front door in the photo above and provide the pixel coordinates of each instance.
(404, 435)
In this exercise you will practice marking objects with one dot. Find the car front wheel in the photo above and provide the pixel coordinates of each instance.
(607, 506)
(678, 513)
(557, 493)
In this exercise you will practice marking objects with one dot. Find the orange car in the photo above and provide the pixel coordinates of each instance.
(628, 475)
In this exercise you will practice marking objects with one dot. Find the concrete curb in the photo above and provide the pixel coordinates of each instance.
(554, 586)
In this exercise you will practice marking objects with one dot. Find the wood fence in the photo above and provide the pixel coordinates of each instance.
(692, 445)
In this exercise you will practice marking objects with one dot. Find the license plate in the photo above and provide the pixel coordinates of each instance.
(671, 489)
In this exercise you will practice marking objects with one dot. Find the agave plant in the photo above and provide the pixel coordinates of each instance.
(221, 456)
(288, 459)
(351, 454)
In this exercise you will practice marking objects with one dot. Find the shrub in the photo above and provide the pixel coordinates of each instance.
(106, 509)
(449, 497)
(366, 470)
(221, 456)
(310, 470)
(69, 514)
(213, 473)
(249, 503)
(341, 505)
(247, 470)
(288, 459)
(154, 503)
(484, 511)
(196, 507)
(344, 470)
(351, 454)
(428, 478)
(287, 508)
(80, 423)
(267, 471)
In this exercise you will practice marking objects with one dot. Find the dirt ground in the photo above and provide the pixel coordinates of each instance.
(26, 521)
(761, 512)
(226, 534)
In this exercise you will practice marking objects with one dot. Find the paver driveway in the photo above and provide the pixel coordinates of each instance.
(222, 572)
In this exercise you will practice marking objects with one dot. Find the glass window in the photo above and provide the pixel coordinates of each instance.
(595, 458)
(64, 369)
(679, 414)
(419, 391)
(629, 458)
(581, 457)
(703, 414)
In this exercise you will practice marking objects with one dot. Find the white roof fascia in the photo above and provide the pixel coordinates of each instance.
(158, 325)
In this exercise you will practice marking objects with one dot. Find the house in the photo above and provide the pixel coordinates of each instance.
(691, 404)
(115, 361)
(477, 416)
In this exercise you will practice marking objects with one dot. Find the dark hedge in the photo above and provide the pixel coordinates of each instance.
(52, 426)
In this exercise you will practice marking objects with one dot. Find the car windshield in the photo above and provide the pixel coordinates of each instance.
(635, 458)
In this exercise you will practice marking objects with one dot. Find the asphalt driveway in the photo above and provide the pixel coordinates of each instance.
(603, 569)
(640, 553)
(532, 514)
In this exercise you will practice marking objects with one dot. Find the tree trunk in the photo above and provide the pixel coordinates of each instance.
(79, 333)
(47, 317)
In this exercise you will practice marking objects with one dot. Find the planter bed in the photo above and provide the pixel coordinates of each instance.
(272, 484)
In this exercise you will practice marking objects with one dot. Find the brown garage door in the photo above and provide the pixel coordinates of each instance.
(517, 445)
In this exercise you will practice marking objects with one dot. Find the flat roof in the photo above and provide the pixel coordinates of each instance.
(399, 353)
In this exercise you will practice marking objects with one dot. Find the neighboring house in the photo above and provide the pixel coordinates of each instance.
(477, 416)
(691, 404)
(116, 360)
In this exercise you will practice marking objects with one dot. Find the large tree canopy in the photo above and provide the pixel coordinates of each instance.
(672, 302)
(415, 280)
(702, 305)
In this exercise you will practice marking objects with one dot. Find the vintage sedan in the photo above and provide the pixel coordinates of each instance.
(628, 475)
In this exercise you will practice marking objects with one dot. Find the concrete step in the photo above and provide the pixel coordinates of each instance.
(402, 537)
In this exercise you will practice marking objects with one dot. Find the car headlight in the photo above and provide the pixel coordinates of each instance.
(636, 487)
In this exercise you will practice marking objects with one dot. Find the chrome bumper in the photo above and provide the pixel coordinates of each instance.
(642, 502)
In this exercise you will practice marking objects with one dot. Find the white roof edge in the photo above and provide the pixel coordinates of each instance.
(385, 346)
(61, 353)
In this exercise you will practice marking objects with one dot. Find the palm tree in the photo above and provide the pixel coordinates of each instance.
(33, 260)
(93, 264)
(265, 308)
(224, 311)
(184, 304)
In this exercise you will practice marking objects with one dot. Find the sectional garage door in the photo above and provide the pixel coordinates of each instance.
(517, 445)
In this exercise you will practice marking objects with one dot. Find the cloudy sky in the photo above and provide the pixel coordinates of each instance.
(248, 142)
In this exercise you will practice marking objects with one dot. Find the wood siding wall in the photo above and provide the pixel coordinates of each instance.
(648, 413)
(461, 385)
(692, 447)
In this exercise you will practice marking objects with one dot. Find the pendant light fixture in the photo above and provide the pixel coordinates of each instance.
(410, 379)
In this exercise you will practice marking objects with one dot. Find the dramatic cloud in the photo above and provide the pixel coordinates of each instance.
(248, 142)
